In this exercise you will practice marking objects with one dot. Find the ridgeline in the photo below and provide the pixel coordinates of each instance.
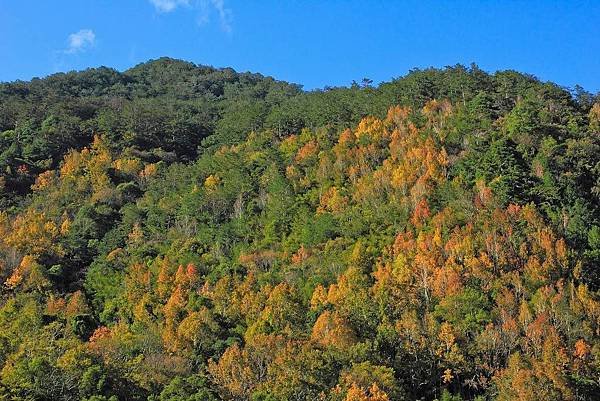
(180, 232)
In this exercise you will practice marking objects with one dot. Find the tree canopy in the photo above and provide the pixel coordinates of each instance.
(180, 232)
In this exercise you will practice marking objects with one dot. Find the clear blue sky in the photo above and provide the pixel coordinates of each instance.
(313, 43)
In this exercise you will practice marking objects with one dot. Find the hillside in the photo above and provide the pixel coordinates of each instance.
(180, 232)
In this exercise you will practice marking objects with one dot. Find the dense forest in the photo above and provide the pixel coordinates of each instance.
(180, 232)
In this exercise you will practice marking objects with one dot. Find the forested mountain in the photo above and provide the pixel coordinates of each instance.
(179, 232)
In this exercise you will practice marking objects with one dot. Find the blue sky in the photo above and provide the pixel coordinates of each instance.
(313, 43)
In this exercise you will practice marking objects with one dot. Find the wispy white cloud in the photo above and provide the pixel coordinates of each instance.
(207, 10)
(166, 6)
(224, 14)
(81, 41)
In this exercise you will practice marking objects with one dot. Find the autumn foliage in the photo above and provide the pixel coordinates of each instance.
(438, 250)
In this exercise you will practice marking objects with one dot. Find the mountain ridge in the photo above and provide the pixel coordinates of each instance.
(228, 236)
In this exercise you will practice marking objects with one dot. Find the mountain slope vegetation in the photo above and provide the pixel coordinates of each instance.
(180, 232)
